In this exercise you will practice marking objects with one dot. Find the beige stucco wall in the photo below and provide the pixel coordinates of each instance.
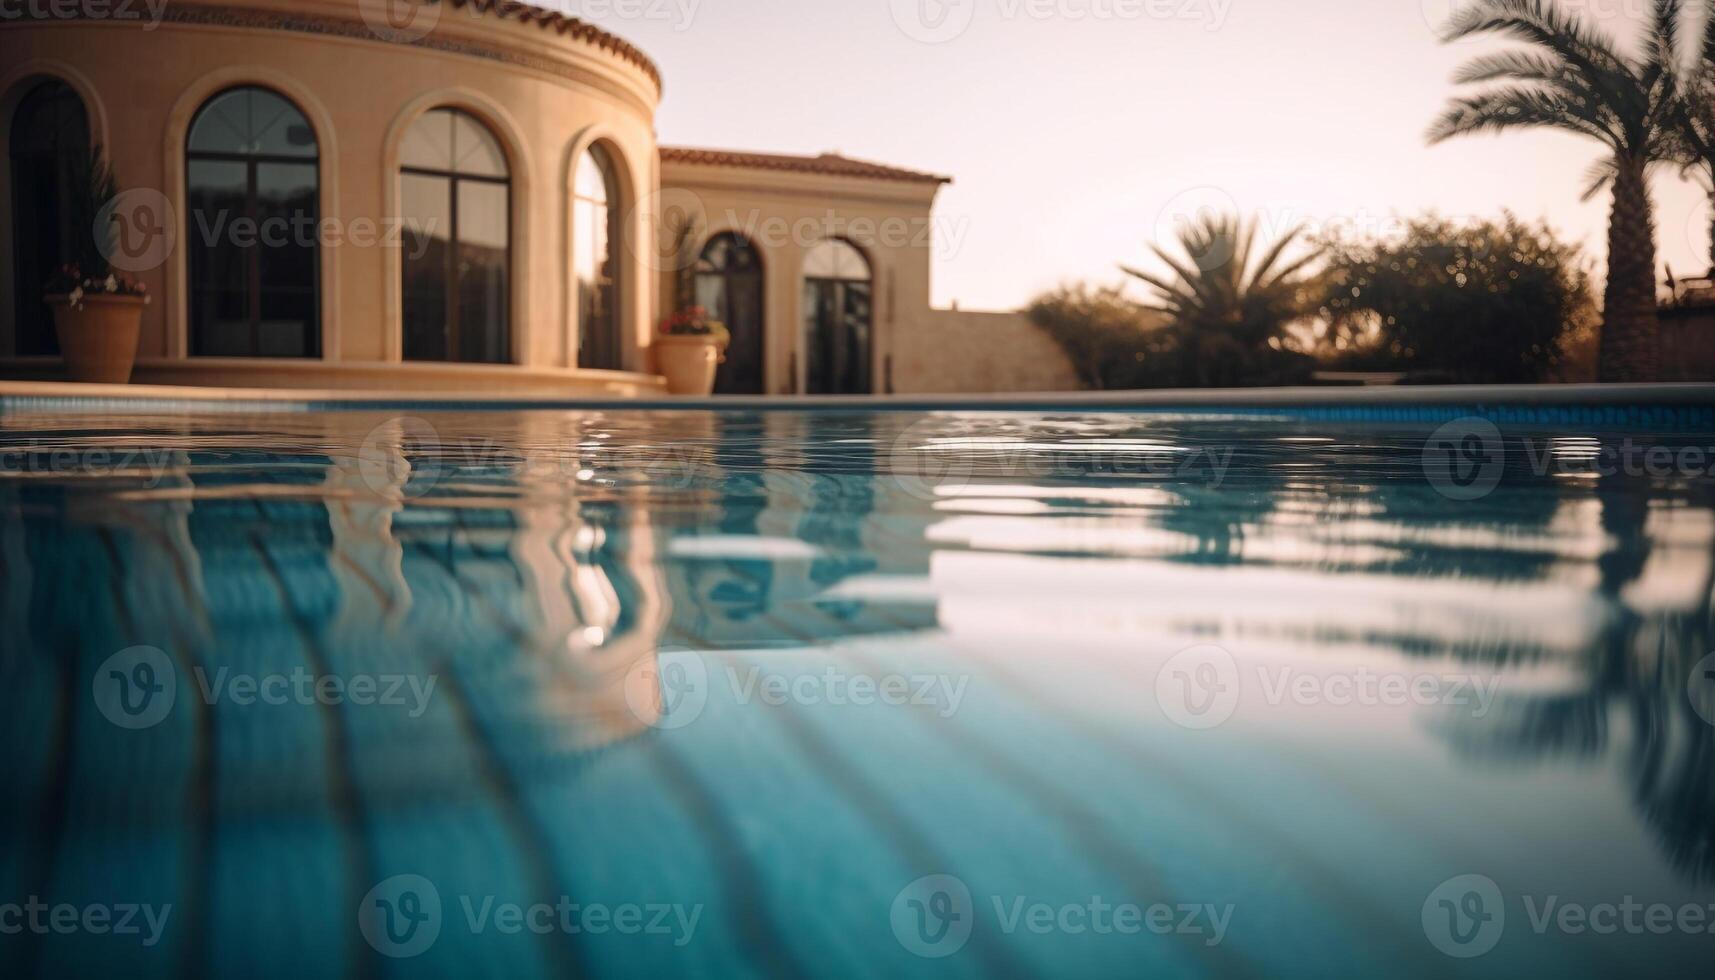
(547, 96)
(948, 352)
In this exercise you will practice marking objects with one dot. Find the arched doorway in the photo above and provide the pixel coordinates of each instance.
(729, 286)
(48, 144)
(838, 320)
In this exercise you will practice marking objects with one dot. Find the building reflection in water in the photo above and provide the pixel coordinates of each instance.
(794, 551)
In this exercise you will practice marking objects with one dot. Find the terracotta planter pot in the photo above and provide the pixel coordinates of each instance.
(99, 340)
(689, 363)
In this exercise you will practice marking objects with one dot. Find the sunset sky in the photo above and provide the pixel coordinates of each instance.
(1072, 127)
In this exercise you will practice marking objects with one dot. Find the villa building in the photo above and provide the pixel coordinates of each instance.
(462, 195)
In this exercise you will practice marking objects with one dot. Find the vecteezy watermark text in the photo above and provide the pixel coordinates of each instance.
(670, 690)
(147, 12)
(412, 236)
(1467, 458)
(402, 917)
(1202, 687)
(926, 462)
(35, 459)
(136, 688)
(1466, 917)
(934, 916)
(41, 918)
(941, 21)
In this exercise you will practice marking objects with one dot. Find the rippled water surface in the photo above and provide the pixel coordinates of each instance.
(780, 694)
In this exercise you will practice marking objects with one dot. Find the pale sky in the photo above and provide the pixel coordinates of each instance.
(1071, 127)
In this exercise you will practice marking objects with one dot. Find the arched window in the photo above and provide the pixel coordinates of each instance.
(729, 286)
(255, 263)
(838, 318)
(49, 143)
(456, 200)
(595, 227)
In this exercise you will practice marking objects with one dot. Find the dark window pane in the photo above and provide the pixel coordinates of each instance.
(482, 273)
(837, 327)
(49, 138)
(223, 319)
(220, 272)
(426, 209)
(287, 318)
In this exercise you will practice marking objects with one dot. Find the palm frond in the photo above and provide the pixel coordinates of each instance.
(1599, 176)
(1511, 107)
(1518, 65)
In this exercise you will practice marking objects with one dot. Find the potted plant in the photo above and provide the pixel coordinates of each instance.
(98, 312)
(689, 350)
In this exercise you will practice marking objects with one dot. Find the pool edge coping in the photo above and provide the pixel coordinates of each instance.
(30, 395)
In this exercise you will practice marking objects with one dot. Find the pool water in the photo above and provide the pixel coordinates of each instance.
(856, 694)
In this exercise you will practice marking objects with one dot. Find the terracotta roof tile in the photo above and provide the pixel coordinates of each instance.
(831, 164)
(562, 24)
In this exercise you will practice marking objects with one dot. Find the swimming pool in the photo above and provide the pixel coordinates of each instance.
(1038, 693)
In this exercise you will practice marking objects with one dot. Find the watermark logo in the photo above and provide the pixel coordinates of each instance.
(669, 690)
(136, 231)
(1442, 15)
(400, 21)
(1701, 687)
(390, 461)
(1465, 458)
(934, 21)
(401, 917)
(136, 687)
(926, 464)
(1199, 688)
(1700, 228)
(1190, 210)
(1465, 917)
(665, 229)
(933, 916)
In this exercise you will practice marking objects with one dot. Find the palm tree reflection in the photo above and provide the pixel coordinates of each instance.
(1634, 689)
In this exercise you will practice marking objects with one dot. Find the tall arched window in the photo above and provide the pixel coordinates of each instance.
(455, 193)
(49, 143)
(838, 318)
(595, 227)
(729, 286)
(255, 264)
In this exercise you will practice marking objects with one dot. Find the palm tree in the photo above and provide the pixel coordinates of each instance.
(1572, 77)
(1697, 117)
(1228, 314)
